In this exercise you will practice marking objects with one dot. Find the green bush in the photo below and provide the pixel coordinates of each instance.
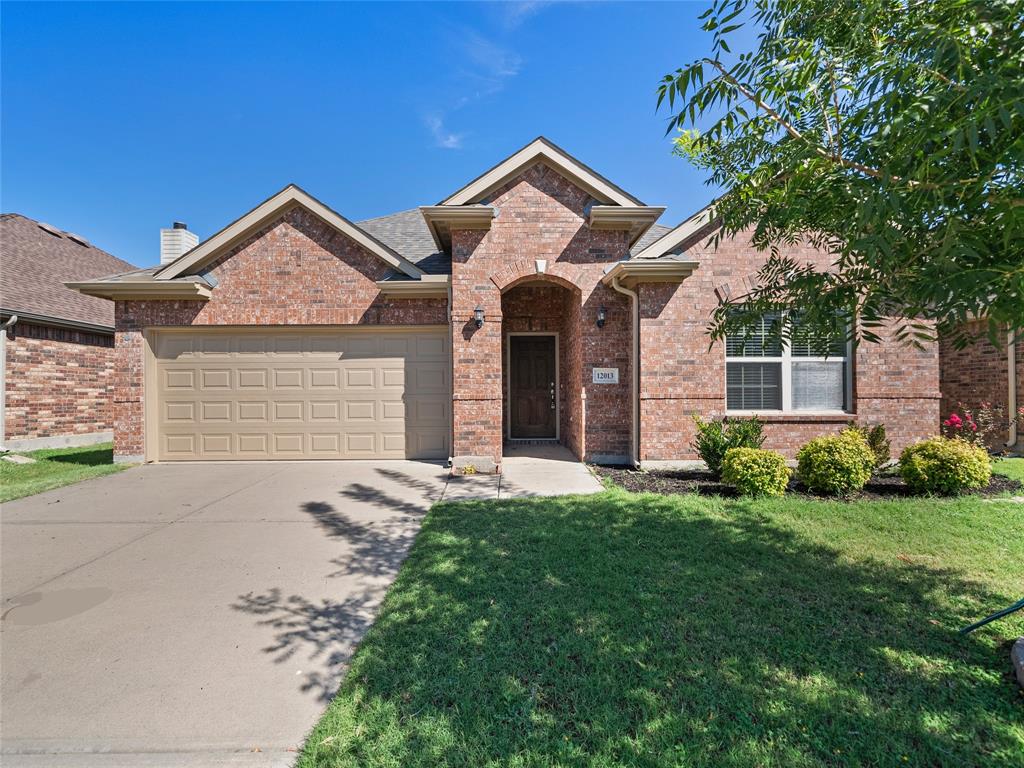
(877, 441)
(714, 438)
(836, 464)
(945, 465)
(755, 472)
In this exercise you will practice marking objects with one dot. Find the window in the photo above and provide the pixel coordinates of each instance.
(764, 374)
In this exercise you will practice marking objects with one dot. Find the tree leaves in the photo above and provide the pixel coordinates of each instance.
(891, 132)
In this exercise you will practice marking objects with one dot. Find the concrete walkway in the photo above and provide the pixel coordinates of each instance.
(526, 471)
(203, 614)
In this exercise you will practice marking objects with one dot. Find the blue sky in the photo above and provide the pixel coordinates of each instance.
(119, 118)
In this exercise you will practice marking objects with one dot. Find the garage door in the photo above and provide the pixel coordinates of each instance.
(339, 393)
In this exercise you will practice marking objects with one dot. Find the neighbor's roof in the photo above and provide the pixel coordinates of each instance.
(36, 259)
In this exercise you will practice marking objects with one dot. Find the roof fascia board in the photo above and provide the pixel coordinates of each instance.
(415, 289)
(637, 219)
(442, 218)
(57, 322)
(149, 289)
(541, 149)
(672, 239)
(288, 198)
(630, 273)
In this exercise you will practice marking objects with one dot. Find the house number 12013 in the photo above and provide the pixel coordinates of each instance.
(606, 375)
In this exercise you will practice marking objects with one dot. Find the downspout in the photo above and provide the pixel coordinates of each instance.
(3, 378)
(451, 373)
(634, 364)
(1011, 400)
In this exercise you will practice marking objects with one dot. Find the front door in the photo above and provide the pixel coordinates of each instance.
(532, 395)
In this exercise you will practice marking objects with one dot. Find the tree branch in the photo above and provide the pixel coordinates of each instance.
(867, 170)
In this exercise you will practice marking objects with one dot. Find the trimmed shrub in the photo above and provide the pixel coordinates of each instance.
(877, 441)
(945, 465)
(836, 464)
(755, 472)
(714, 438)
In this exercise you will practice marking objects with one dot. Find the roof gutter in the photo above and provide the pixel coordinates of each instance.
(145, 289)
(634, 366)
(15, 316)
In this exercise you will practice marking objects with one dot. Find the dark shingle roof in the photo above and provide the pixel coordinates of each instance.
(407, 233)
(35, 262)
(655, 232)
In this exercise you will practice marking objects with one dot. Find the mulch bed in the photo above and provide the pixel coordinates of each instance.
(667, 481)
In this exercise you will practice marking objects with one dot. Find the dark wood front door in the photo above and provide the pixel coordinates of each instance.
(532, 386)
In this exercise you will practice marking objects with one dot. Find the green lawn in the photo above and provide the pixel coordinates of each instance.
(56, 467)
(1011, 468)
(644, 630)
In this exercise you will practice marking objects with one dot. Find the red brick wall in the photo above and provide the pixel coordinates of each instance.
(541, 215)
(682, 375)
(295, 271)
(59, 382)
(980, 373)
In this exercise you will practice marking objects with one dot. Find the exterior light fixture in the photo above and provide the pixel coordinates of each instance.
(478, 315)
(602, 317)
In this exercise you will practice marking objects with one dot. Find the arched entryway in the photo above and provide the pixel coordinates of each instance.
(542, 362)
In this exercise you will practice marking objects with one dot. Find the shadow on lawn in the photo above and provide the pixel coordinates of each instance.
(616, 631)
(89, 458)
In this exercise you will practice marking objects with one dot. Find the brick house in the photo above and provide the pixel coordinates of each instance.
(539, 302)
(57, 361)
(983, 372)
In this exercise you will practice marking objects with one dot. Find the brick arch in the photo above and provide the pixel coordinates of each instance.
(521, 271)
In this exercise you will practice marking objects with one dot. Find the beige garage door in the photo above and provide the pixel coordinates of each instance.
(338, 393)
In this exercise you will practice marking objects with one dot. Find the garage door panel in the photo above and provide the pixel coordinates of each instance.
(360, 410)
(214, 378)
(179, 445)
(215, 445)
(324, 378)
(288, 411)
(392, 410)
(249, 412)
(254, 445)
(289, 445)
(288, 378)
(252, 378)
(179, 379)
(180, 412)
(392, 377)
(325, 410)
(341, 393)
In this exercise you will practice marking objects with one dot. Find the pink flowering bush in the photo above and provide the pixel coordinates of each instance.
(980, 426)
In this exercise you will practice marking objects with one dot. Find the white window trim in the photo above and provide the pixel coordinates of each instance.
(786, 382)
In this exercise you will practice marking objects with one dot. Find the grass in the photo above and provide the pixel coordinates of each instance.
(642, 630)
(1010, 467)
(56, 467)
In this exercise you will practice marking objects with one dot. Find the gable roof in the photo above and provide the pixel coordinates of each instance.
(542, 150)
(679, 238)
(270, 209)
(408, 234)
(36, 259)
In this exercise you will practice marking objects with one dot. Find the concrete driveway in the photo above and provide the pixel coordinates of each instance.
(194, 614)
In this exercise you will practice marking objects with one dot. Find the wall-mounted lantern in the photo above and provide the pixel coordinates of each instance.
(478, 315)
(602, 317)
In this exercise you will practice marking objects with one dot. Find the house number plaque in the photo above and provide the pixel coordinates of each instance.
(606, 375)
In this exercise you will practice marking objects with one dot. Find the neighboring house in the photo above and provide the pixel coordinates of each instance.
(985, 373)
(58, 345)
(515, 309)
